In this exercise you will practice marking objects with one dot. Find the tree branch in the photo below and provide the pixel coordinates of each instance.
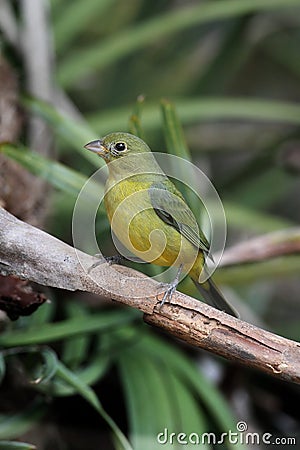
(271, 245)
(37, 256)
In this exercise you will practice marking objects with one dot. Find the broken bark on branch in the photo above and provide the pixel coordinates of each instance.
(32, 254)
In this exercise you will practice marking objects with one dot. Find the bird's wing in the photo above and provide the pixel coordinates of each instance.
(170, 206)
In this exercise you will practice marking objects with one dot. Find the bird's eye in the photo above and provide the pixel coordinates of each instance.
(120, 146)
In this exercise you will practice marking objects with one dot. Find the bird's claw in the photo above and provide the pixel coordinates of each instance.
(168, 294)
(116, 259)
(171, 288)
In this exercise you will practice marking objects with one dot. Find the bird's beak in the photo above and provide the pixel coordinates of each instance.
(97, 147)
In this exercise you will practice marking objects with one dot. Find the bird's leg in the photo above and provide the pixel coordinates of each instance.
(115, 259)
(172, 287)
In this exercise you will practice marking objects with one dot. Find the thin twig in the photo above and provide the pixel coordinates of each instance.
(278, 243)
(38, 58)
(35, 255)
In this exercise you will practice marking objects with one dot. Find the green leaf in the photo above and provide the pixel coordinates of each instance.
(2, 367)
(135, 126)
(11, 445)
(89, 395)
(58, 175)
(233, 53)
(175, 140)
(89, 375)
(188, 373)
(67, 328)
(148, 402)
(81, 388)
(75, 133)
(192, 419)
(162, 387)
(42, 315)
(77, 64)
(71, 22)
(75, 349)
(45, 371)
(40, 364)
(176, 145)
(203, 109)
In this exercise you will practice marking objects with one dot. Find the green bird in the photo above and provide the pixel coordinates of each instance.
(149, 215)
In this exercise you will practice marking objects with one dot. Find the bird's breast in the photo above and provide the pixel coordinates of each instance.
(138, 227)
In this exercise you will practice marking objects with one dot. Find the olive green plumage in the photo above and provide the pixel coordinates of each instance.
(149, 215)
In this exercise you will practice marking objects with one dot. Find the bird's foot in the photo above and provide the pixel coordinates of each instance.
(115, 259)
(168, 294)
(171, 288)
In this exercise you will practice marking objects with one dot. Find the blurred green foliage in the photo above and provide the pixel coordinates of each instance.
(231, 68)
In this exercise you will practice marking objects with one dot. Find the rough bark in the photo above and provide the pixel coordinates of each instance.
(37, 256)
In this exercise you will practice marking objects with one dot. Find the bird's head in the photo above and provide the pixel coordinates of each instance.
(117, 145)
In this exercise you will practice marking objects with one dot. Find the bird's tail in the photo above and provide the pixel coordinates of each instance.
(212, 295)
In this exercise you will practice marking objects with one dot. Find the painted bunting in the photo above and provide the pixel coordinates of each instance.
(149, 215)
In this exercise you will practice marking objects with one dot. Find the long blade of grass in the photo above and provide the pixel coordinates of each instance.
(209, 395)
(44, 370)
(204, 109)
(75, 133)
(43, 362)
(147, 401)
(234, 52)
(2, 367)
(55, 173)
(189, 111)
(14, 445)
(72, 21)
(156, 400)
(42, 315)
(75, 349)
(176, 145)
(135, 125)
(67, 328)
(120, 44)
(89, 395)
(88, 375)
(175, 372)
(191, 414)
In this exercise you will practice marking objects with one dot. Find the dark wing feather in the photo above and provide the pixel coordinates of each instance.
(170, 206)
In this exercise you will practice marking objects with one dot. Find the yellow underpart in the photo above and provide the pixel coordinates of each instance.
(136, 224)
